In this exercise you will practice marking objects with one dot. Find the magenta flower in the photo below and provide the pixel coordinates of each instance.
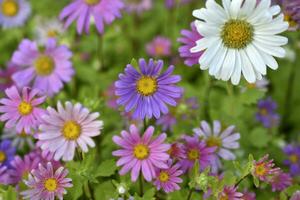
(47, 183)
(143, 154)
(296, 196)
(138, 6)
(230, 193)
(4, 175)
(280, 181)
(177, 151)
(159, 46)
(189, 39)
(6, 76)
(21, 110)
(45, 69)
(168, 179)
(102, 11)
(247, 195)
(264, 169)
(196, 150)
(65, 129)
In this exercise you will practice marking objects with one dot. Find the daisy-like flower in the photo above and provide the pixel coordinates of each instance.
(280, 181)
(101, 11)
(20, 168)
(138, 6)
(188, 39)
(296, 196)
(147, 91)
(177, 151)
(45, 69)
(47, 183)
(7, 152)
(240, 38)
(14, 13)
(267, 113)
(20, 110)
(230, 193)
(166, 121)
(247, 195)
(19, 140)
(44, 157)
(264, 169)
(159, 46)
(293, 161)
(168, 179)
(65, 129)
(4, 176)
(141, 154)
(44, 30)
(196, 150)
(6, 76)
(223, 140)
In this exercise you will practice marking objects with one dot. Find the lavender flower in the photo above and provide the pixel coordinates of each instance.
(267, 113)
(280, 181)
(7, 152)
(6, 76)
(230, 193)
(159, 46)
(293, 161)
(138, 6)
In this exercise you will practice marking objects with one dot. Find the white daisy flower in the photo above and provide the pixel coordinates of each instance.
(64, 129)
(48, 29)
(240, 38)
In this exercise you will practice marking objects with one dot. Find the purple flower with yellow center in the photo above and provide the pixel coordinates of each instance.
(141, 154)
(293, 161)
(6, 76)
(177, 151)
(159, 46)
(4, 175)
(280, 181)
(168, 179)
(296, 196)
(188, 39)
(138, 6)
(45, 69)
(14, 13)
(21, 110)
(267, 113)
(102, 11)
(146, 92)
(196, 150)
(7, 152)
(67, 128)
(47, 183)
(230, 193)
(214, 137)
(264, 169)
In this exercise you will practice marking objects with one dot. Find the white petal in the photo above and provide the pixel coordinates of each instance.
(256, 59)
(218, 61)
(274, 51)
(247, 8)
(207, 30)
(275, 40)
(202, 44)
(236, 76)
(228, 65)
(235, 7)
(247, 67)
(209, 54)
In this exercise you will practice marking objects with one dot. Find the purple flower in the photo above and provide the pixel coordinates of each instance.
(168, 179)
(65, 129)
(47, 183)
(167, 121)
(247, 195)
(44, 157)
(189, 39)
(172, 3)
(145, 154)
(159, 46)
(6, 76)
(148, 91)
(177, 151)
(138, 6)
(14, 13)
(293, 161)
(4, 175)
(280, 181)
(296, 196)
(102, 11)
(267, 113)
(7, 152)
(111, 98)
(45, 69)
(196, 150)
(230, 193)
(21, 110)
(264, 169)
(19, 140)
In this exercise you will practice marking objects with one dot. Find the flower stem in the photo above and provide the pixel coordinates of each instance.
(243, 178)
(141, 185)
(189, 197)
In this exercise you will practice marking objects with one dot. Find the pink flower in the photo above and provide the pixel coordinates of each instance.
(264, 169)
(159, 46)
(47, 183)
(4, 175)
(6, 76)
(230, 193)
(280, 181)
(65, 129)
(145, 154)
(21, 110)
(177, 151)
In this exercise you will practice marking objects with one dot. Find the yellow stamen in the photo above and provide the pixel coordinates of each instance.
(260, 169)
(141, 151)
(146, 85)
(193, 154)
(71, 130)
(163, 176)
(290, 20)
(9, 8)
(213, 141)
(25, 108)
(44, 65)
(52, 33)
(2, 156)
(92, 2)
(50, 184)
(293, 158)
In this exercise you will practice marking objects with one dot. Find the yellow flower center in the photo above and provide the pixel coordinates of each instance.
(213, 141)
(290, 20)
(50, 184)
(44, 65)
(293, 158)
(2, 156)
(141, 151)
(159, 49)
(224, 197)
(263, 111)
(71, 130)
(260, 169)
(237, 34)
(251, 85)
(92, 2)
(9, 8)
(52, 33)
(146, 85)
(163, 176)
(193, 154)
(25, 108)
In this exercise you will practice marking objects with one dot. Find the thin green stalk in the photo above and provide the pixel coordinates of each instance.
(243, 178)
(189, 197)
(141, 183)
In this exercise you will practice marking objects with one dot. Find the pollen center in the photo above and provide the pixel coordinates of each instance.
(290, 20)
(293, 158)
(9, 8)
(2, 156)
(213, 142)
(141, 151)
(71, 130)
(146, 85)
(237, 34)
(44, 65)
(163, 176)
(92, 2)
(263, 111)
(260, 170)
(224, 197)
(25, 108)
(50, 184)
(52, 33)
(193, 154)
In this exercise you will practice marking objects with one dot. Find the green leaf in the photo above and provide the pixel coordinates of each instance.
(8, 193)
(292, 189)
(250, 96)
(106, 168)
(105, 191)
(76, 191)
(260, 138)
(256, 181)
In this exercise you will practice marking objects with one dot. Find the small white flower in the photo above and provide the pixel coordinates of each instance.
(121, 189)
(48, 29)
